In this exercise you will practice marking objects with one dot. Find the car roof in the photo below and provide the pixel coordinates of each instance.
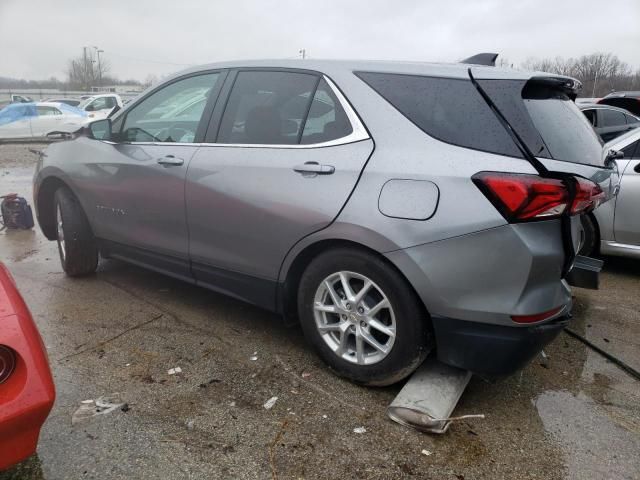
(622, 94)
(453, 70)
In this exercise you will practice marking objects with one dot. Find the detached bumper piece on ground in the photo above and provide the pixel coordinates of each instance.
(26, 387)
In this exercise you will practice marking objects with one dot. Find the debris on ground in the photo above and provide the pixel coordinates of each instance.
(426, 452)
(268, 405)
(190, 424)
(359, 430)
(100, 406)
(254, 357)
(210, 382)
(305, 375)
(174, 371)
(544, 359)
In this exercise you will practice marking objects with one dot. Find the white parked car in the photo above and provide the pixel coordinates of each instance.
(614, 227)
(36, 120)
(100, 106)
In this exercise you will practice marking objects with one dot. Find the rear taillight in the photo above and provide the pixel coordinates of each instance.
(7, 362)
(588, 196)
(521, 197)
(524, 197)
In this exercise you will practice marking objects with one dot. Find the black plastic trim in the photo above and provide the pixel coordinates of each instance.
(585, 273)
(255, 290)
(488, 349)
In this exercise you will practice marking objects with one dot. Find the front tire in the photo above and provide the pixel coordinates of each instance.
(76, 244)
(362, 317)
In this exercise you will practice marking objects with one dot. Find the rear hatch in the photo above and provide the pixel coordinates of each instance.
(558, 139)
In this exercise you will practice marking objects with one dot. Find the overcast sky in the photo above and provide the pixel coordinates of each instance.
(143, 37)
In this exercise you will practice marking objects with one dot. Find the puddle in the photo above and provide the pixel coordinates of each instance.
(597, 443)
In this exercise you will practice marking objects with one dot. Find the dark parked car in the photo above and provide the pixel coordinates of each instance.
(609, 122)
(628, 100)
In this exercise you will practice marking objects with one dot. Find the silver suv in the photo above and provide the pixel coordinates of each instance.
(390, 208)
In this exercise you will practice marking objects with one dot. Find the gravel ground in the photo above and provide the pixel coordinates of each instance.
(121, 330)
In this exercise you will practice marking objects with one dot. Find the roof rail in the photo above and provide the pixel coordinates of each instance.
(488, 59)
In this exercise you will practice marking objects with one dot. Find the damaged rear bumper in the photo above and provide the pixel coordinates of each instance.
(494, 350)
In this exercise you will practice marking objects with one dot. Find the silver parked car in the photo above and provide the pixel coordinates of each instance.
(390, 208)
(614, 228)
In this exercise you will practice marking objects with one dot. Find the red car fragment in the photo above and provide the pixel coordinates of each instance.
(26, 388)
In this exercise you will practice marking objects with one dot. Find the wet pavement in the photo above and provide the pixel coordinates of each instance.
(120, 331)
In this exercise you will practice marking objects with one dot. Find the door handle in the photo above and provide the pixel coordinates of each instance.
(314, 167)
(170, 160)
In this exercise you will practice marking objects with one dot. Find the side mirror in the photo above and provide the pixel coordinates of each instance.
(100, 129)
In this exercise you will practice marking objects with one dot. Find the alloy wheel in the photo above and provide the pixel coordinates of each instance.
(354, 318)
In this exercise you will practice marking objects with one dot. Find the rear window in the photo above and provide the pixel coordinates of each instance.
(451, 110)
(547, 120)
(565, 131)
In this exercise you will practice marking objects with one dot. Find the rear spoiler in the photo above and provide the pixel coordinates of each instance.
(568, 85)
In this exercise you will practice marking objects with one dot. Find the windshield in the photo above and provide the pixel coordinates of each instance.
(85, 102)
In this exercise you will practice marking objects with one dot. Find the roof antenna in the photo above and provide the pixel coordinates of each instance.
(488, 59)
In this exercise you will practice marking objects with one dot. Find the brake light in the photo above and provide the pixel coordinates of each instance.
(588, 196)
(537, 317)
(7, 362)
(523, 197)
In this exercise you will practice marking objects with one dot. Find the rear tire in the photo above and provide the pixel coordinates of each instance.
(591, 236)
(76, 244)
(366, 345)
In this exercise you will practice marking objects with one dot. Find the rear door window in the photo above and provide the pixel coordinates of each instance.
(327, 120)
(267, 107)
(449, 109)
(612, 118)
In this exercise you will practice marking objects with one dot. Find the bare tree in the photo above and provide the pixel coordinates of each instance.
(599, 73)
(84, 71)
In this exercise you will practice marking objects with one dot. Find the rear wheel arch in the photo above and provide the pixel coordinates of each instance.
(288, 300)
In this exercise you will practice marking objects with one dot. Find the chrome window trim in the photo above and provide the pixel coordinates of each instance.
(358, 133)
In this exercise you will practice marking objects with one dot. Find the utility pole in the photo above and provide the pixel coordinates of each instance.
(84, 68)
(98, 52)
(303, 53)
